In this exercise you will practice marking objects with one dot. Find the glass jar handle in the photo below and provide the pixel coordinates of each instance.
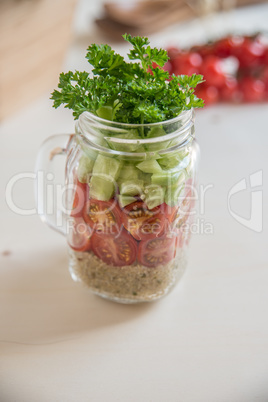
(50, 181)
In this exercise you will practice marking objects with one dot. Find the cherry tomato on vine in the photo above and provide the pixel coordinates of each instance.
(264, 78)
(250, 53)
(229, 46)
(209, 94)
(242, 77)
(212, 71)
(230, 91)
(222, 48)
(187, 63)
(173, 52)
(265, 57)
(168, 67)
(253, 90)
(203, 50)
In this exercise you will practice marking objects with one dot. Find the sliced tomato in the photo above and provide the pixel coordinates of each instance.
(184, 213)
(184, 233)
(185, 208)
(157, 251)
(103, 216)
(117, 250)
(79, 236)
(80, 198)
(169, 211)
(142, 223)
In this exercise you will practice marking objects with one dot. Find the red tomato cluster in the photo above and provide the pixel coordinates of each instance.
(249, 81)
(120, 236)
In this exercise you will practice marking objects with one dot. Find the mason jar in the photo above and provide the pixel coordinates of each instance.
(129, 192)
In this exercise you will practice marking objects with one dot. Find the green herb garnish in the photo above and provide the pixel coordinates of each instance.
(128, 92)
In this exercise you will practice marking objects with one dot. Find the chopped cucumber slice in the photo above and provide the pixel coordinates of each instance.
(154, 133)
(145, 177)
(168, 178)
(125, 147)
(101, 188)
(89, 152)
(185, 162)
(125, 200)
(104, 176)
(149, 166)
(105, 112)
(95, 135)
(107, 166)
(128, 172)
(154, 195)
(170, 162)
(85, 168)
(172, 194)
(131, 187)
(129, 135)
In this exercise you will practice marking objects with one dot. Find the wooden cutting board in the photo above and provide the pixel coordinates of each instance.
(34, 36)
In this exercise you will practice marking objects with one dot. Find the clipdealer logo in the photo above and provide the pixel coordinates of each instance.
(50, 199)
(255, 220)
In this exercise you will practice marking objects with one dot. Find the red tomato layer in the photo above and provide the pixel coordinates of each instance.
(117, 250)
(142, 223)
(158, 251)
(79, 238)
(80, 197)
(103, 216)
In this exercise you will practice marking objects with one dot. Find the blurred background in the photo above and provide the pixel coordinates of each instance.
(40, 38)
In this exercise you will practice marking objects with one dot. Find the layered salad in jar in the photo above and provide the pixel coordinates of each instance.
(132, 202)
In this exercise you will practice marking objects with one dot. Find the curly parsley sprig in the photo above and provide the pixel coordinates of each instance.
(136, 92)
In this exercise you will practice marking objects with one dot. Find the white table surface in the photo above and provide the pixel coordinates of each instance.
(207, 341)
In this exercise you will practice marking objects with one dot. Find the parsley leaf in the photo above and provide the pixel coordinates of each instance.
(137, 92)
(104, 60)
(145, 54)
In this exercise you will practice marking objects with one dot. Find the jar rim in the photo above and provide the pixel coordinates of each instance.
(89, 126)
(91, 116)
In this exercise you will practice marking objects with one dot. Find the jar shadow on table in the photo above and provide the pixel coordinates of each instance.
(41, 304)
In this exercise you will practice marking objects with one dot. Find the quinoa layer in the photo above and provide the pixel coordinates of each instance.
(128, 284)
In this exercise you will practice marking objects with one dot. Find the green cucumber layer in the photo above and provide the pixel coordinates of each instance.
(104, 175)
(131, 187)
(85, 168)
(155, 180)
(149, 166)
(101, 188)
(125, 200)
(154, 196)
